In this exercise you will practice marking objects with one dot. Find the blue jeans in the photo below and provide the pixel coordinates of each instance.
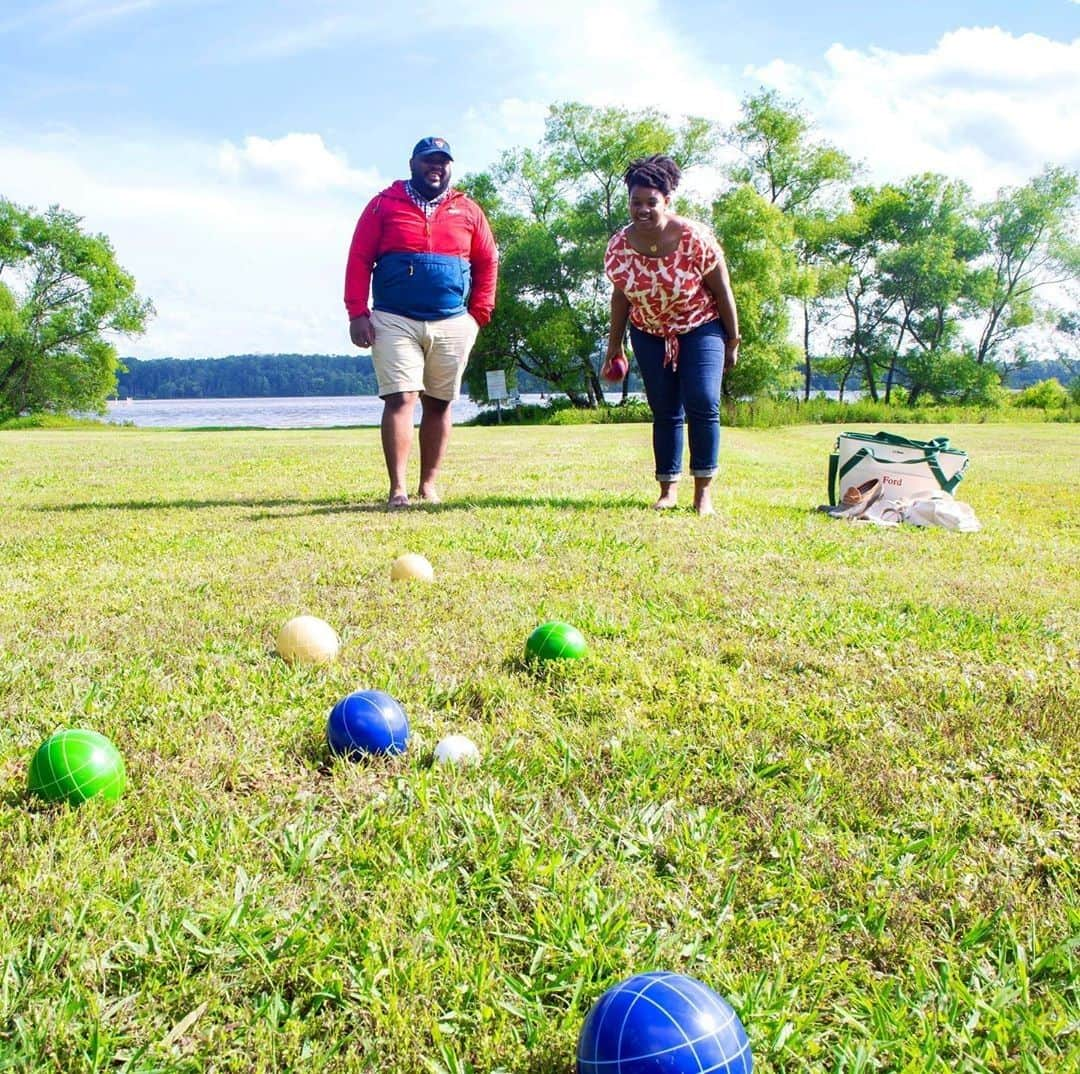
(689, 395)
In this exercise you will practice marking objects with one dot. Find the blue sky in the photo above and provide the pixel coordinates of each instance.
(227, 147)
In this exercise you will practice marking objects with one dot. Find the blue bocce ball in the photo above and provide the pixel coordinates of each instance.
(662, 1022)
(367, 722)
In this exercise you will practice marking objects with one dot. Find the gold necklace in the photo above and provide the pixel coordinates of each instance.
(653, 246)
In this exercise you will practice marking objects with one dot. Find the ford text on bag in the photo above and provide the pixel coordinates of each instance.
(905, 467)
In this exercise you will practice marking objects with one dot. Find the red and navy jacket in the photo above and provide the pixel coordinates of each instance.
(422, 267)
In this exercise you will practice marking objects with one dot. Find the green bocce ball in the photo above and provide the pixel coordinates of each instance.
(555, 641)
(75, 765)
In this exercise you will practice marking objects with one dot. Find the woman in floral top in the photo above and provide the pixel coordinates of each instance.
(671, 284)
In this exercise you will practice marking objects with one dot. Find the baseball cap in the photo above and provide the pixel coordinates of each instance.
(426, 146)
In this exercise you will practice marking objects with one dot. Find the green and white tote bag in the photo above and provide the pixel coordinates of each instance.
(906, 467)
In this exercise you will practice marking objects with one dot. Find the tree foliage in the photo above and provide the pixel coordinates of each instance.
(759, 247)
(925, 273)
(934, 282)
(803, 178)
(1031, 244)
(779, 157)
(61, 292)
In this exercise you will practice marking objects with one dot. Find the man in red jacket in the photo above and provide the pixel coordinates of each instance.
(426, 256)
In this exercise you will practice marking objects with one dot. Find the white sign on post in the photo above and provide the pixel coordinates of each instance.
(496, 385)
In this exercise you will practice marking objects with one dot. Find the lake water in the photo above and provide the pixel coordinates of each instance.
(316, 411)
(304, 412)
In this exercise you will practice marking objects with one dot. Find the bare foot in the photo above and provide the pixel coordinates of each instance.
(429, 495)
(397, 501)
(666, 501)
(703, 496)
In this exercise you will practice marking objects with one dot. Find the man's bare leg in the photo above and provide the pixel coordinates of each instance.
(397, 433)
(435, 424)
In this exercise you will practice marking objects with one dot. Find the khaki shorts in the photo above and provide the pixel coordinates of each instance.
(421, 356)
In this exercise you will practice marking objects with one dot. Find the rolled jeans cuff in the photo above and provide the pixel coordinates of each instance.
(671, 478)
(711, 472)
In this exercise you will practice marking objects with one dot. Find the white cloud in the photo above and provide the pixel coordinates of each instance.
(595, 52)
(301, 161)
(233, 266)
(982, 105)
(608, 60)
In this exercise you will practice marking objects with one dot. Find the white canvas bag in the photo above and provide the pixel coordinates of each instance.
(907, 468)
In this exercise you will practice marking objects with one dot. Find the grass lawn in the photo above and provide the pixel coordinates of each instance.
(831, 770)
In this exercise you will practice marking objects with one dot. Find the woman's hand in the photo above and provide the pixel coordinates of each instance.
(620, 314)
(719, 284)
(731, 351)
(615, 365)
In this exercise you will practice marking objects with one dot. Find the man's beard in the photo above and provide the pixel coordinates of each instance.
(424, 188)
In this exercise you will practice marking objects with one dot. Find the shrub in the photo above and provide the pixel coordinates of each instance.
(56, 421)
(522, 414)
(1046, 395)
(560, 411)
(633, 410)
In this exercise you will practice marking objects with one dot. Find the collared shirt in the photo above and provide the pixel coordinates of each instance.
(428, 207)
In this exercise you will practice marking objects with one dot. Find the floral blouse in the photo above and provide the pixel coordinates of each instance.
(668, 296)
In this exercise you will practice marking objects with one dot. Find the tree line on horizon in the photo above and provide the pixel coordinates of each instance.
(246, 376)
(909, 290)
(238, 376)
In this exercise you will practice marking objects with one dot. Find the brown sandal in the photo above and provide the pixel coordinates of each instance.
(856, 499)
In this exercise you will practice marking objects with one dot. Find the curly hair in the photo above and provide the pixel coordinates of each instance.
(658, 172)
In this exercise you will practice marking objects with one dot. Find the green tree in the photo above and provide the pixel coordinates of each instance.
(1030, 234)
(854, 242)
(821, 289)
(759, 247)
(61, 290)
(908, 252)
(926, 275)
(553, 209)
(803, 178)
(780, 159)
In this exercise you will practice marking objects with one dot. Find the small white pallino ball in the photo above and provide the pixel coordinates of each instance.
(307, 640)
(411, 565)
(457, 749)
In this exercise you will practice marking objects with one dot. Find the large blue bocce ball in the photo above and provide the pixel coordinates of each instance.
(367, 722)
(662, 1023)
